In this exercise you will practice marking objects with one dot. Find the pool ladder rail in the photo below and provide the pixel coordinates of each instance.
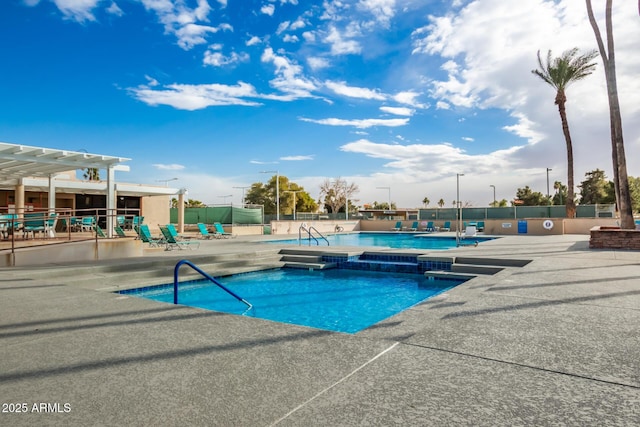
(206, 276)
(309, 231)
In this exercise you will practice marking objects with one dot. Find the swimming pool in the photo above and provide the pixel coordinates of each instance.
(335, 300)
(391, 240)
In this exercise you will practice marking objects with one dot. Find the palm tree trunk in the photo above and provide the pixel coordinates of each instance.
(561, 100)
(620, 177)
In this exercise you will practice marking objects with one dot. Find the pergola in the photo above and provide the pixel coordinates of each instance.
(23, 166)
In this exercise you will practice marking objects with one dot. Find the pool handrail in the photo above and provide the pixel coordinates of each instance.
(206, 276)
(311, 236)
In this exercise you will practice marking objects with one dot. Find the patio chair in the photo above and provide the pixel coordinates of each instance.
(174, 232)
(33, 222)
(220, 231)
(430, 227)
(171, 242)
(145, 235)
(87, 223)
(50, 225)
(99, 231)
(414, 226)
(204, 233)
(119, 231)
(398, 226)
(446, 226)
(470, 231)
(480, 226)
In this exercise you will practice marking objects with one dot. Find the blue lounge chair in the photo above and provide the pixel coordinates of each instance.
(480, 226)
(398, 226)
(220, 231)
(430, 226)
(171, 242)
(33, 223)
(414, 226)
(204, 233)
(174, 232)
(119, 231)
(99, 231)
(145, 235)
(446, 226)
(87, 223)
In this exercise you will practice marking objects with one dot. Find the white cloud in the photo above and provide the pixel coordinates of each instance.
(341, 88)
(196, 97)
(170, 167)
(289, 77)
(317, 63)
(409, 98)
(268, 9)
(382, 10)
(288, 38)
(77, 10)
(217, 59)
(296, 158)
(114, 9)
(341, 46)
(297, 24)
(359, 123)
(283, 27)
(398, 111)
(253, 41)
(309, 36)
(468, 139)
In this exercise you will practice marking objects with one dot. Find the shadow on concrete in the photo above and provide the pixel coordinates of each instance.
(155, 357)
(498, 288)
(540, 304)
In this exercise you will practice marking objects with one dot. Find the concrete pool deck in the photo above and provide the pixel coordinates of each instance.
(554, 342)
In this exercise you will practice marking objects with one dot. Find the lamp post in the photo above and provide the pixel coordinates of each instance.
(459, 210)
(548, 194)
(277, 193)
(294, 200)
(389, 190)
(242, 200)
(494, 195)
(166, 181)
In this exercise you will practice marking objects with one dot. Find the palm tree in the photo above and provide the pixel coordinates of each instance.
(91, 174)
(620, 177)
(426, 201)
(441, 203)
(559, 73)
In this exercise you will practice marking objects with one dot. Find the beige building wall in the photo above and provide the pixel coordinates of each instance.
(155, 210)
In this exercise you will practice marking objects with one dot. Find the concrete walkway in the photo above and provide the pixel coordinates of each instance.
(556, 342)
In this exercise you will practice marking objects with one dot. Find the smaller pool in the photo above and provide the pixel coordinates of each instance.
(391, 240)
(335, 300)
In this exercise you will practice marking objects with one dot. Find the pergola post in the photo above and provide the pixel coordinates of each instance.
(111, 200)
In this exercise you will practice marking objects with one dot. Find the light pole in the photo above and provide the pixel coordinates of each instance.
(548, 194)
(166, 181)
(389, 190)
(294, 200)
(242, 200)
(494, 195)
(277, 193)
(459, 210)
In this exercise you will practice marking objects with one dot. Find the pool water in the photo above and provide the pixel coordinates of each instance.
(335, 300)
(391, 240)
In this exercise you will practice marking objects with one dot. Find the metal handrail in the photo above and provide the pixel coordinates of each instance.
(206, 276)
(311, 236)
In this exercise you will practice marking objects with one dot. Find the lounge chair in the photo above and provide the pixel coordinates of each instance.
(446, 226)
(145, 235)
(414, 226)
(470, 231)
(171, 242)
(398, 226)
(174, 232)
(119, 231)
(220, 231)
(50, 225)
(99, 231)
(480, 226)
(204, 233)
(430, 227)
(87, 223)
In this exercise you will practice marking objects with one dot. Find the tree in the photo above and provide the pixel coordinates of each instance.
(425, 201)
(265, 195)
(336, 192)
(441, 203)
(561, 193)
(499, 204)
(634, 189)
(91, 174)
(383, 206)
(530, 197)
(559, 73)
(596, 189)
(620, 177)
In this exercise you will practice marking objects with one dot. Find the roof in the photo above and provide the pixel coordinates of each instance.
(22, 161)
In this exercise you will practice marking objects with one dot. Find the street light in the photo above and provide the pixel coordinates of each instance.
(388, 189)
(166, 181)
(242, 200)
(495, 204)
(548, 194)
(277, 193)
(294, 200)
(459, 210)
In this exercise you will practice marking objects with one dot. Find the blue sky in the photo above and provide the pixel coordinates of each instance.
(384, 93)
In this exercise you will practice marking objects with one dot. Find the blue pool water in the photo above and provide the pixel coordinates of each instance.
(391, 240)
(335, 300)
